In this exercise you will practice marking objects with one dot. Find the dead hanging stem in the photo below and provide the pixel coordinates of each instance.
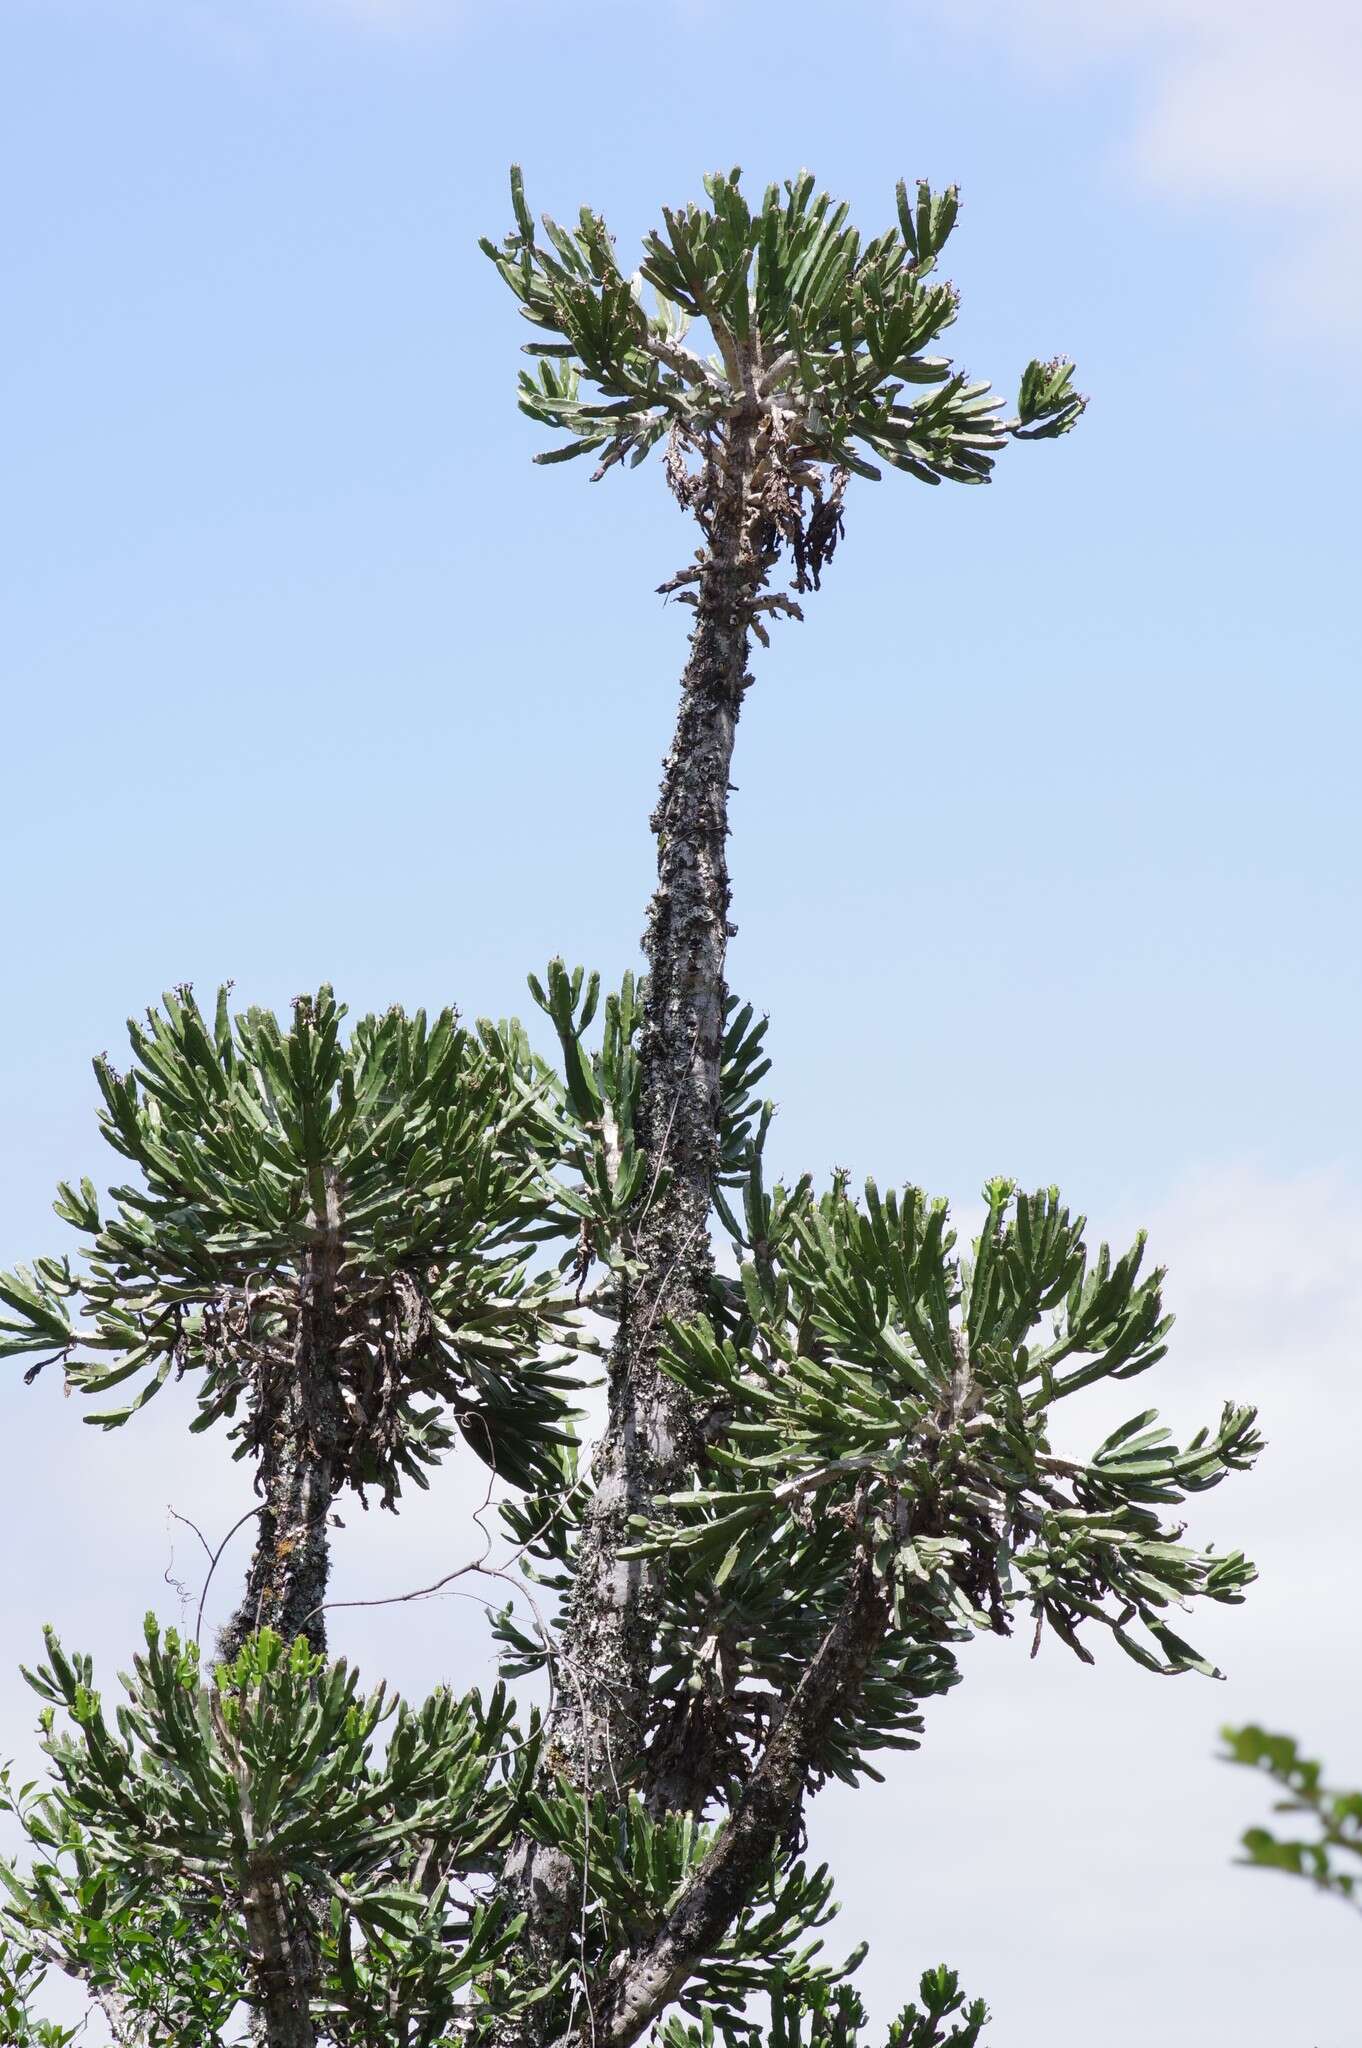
(793, 501)
(213, 1556)
(385, 1349)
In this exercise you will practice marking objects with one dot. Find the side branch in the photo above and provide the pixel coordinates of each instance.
(649, 1979)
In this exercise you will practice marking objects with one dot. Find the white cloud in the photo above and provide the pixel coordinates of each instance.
(1242, 101)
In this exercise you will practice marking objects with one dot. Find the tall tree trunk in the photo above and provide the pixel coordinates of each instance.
(302, 1438)
(599, 1726)
(301, 1432)
(649, 1437)
(282, 1960)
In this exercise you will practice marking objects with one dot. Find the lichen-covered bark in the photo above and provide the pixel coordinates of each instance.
(649, 1437)
(281, 1958)
(301, 1437)
(124, 2030)
(597, 1735)
(301, 1431)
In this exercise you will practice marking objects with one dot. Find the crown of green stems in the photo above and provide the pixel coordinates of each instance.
(825, 335)
(421, 1143)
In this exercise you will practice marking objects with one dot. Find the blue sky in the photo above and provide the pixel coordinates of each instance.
(1045, 847)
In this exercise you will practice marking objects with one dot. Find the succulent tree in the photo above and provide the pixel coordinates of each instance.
(248, 1841)
(330, 1237)
(825, 1461)
(817, 362)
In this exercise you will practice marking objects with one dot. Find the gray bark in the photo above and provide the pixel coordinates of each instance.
(124, 2030)
(282, 1962)
(301, 1431)
(599, 1726)
(650, 1439)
